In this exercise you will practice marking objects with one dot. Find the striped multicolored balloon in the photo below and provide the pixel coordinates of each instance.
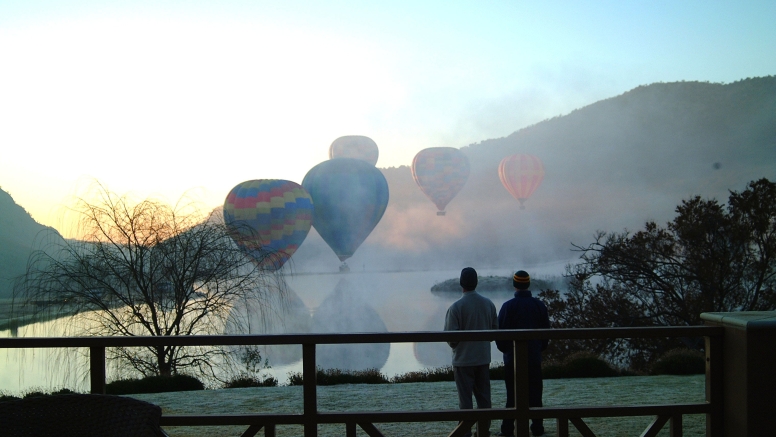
(440, 172)
(521, 175)
(269, 219)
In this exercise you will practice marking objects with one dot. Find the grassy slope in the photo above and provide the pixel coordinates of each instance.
(433, 396)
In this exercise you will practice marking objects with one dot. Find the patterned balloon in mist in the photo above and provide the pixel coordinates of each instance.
(268, 215)
(440, 172)
(350, 197)
(356, 147)
(521, 175)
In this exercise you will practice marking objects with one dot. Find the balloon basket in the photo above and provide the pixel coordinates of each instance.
(440, 212)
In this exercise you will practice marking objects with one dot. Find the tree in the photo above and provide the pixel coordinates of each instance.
(148, 268)
(710, 258)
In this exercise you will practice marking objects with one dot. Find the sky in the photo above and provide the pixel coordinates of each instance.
(166, 98)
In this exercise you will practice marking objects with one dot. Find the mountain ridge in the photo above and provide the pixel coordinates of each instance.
(18, 234)
(611, 165)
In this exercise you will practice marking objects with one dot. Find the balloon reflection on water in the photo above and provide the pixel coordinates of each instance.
(288, 316)
(345, 311)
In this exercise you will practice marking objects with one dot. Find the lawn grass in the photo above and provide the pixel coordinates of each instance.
(624, 390)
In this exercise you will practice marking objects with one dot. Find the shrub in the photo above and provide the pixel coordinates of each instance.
(154, 384)
(497, 372)
(295, 378)
(579, 365)
(247, 381)
(680, 362)
(337, 376)
(63, 391)
(438, 374)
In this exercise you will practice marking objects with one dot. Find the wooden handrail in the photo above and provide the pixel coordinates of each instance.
(310, 418)
(369, 337)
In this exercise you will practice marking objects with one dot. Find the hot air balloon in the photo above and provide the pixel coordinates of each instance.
(440, 172)
(521, 175)
(268, 215)
(354, 146)
(349, 197)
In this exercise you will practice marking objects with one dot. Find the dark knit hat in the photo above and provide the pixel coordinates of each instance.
(521, 280)
(468, 279)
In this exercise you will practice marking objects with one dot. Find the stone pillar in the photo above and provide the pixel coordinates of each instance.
(749, 368)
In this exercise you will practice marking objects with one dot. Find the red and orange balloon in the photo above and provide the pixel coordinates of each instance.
(521, 175)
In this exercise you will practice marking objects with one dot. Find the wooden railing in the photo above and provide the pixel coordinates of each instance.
(670, 414)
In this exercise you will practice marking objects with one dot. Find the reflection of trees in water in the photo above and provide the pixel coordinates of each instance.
(345, 311)
(440, 354)
(290, 317)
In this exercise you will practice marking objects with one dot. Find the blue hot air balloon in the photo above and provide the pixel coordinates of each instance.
(349, 199)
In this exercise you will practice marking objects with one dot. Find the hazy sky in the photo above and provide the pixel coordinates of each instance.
(161, 97)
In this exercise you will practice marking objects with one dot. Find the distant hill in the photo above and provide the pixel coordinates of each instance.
(18, 234)
(611, 165)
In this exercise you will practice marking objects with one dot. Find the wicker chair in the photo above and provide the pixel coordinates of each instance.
(80, 415)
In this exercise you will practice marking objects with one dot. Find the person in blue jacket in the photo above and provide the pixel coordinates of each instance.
(523, 312)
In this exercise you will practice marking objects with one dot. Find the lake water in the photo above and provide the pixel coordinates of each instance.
(352, 302)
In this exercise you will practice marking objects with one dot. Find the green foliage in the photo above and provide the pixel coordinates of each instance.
(34, 393)
(497, 372)
(709, 258)
(63, 391)
(254, 374)
(337, 376)
(579, 365)
(437, 374)
(154, 384)
(295, 378)
(680, 362)
(246, 381)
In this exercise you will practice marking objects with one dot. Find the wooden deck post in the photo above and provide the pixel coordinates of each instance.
(742, 378)
(97, 369)
(309, 375)
(520, 350)
(714, 387)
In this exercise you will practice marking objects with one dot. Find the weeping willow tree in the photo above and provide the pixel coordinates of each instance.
(153, 269)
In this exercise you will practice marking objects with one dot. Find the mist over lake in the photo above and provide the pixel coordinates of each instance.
(355, 302)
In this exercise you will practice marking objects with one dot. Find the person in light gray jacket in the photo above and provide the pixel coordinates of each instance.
(471, 359)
